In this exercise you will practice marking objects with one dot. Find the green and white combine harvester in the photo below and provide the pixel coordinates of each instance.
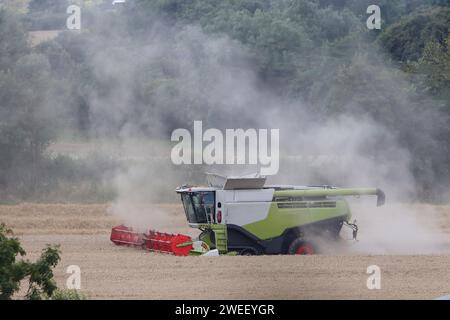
(246, 217)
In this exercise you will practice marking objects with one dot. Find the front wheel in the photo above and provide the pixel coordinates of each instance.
(248, 252)
(301, 247)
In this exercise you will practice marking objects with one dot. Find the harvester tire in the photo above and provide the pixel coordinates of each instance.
(248, 252)
(301, 247)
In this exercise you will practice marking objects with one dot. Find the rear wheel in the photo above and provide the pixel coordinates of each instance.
(301, 247)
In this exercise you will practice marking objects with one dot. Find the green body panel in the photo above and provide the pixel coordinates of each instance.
(280, 219)
(220, 232)
(206, 238)
(220, 235)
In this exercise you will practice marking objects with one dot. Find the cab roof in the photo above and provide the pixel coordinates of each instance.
(249, 182)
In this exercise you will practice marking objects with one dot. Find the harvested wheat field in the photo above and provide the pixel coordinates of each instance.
(111, 272)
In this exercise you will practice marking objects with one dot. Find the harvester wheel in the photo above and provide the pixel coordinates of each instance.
(248, 252)
(301, 247)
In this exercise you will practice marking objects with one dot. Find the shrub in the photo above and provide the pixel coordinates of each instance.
(67, 295)
(13, 271)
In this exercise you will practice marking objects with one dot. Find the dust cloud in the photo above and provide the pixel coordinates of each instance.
(215, 81)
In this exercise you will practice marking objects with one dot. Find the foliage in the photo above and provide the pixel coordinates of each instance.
(434, 66)
(407, 38)
(13, 43)
(17, 6)
(48, 6)
(70, 294)
(12, 271)
(318, 52)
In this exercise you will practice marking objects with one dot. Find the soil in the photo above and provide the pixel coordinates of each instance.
(113, 272)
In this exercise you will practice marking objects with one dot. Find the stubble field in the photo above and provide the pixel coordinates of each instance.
(111, 272)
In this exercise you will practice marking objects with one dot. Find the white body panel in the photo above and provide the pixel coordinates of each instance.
(241, 207)
(240, 214)
(253, 195)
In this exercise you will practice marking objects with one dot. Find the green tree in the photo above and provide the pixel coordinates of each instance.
(18, 6)
(48, 6)
(13, 39)
(434, 67)
(26, 127)
(407, 38)
(13, 270)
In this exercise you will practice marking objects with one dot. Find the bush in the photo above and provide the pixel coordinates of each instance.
(67, 295)
(13, 271)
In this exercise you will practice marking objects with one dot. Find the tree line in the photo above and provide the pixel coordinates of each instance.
(316, 51)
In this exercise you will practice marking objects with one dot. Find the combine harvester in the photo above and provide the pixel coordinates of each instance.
(244, 216)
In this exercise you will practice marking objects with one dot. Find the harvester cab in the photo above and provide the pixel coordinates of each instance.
(245, 216)
(199, 206)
